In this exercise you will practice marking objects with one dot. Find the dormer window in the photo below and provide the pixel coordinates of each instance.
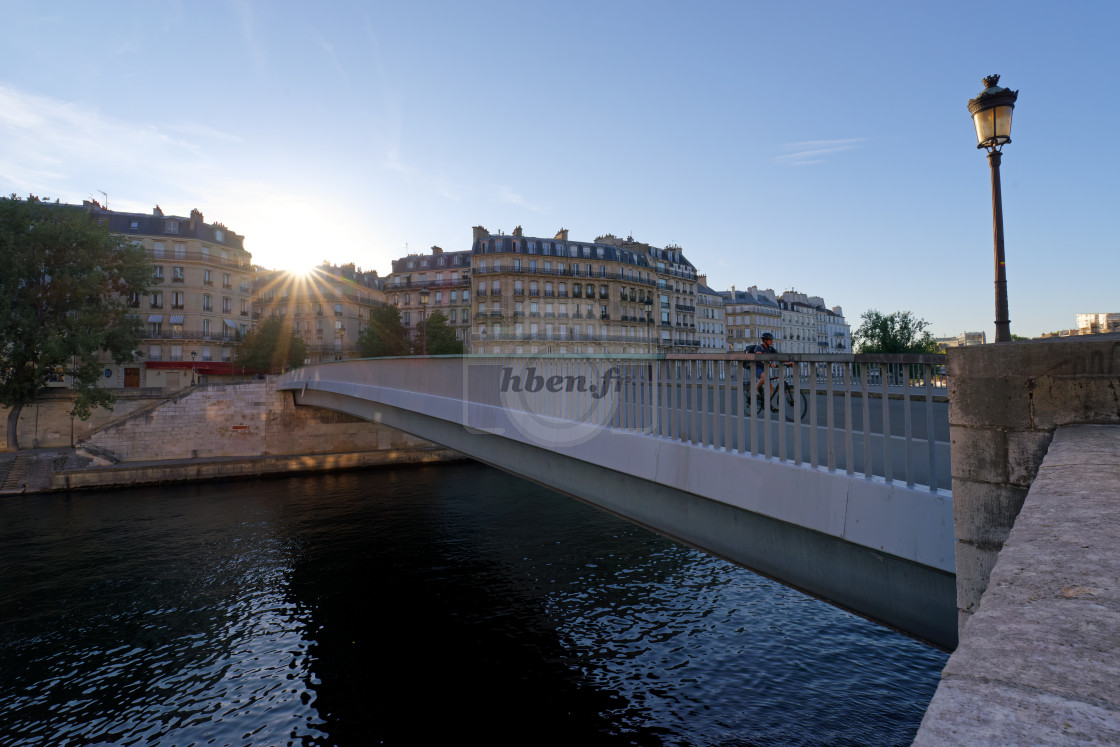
(171, 226)
(219, 235)
(134, 225)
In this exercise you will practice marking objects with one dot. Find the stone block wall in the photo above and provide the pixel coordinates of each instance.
(47, 421)
(1005, 401)
(246, 419)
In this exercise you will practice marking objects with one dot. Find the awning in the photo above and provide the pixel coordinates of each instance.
(230, 324)
(155, 318)
(177, 318)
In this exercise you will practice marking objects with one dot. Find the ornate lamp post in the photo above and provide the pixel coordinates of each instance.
(193, 354)
(424, 298)
(991, 113)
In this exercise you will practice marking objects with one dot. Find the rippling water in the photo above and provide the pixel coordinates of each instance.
(433, 605)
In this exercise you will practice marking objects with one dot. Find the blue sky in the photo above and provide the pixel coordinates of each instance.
(825, 147)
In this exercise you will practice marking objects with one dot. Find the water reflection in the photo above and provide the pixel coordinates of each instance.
(404, 607)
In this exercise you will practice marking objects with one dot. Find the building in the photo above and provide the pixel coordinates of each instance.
(555, 295)
(446, 276)
(200, 306)
(328, 307)
(749, 314)
(1098, 323)
(963, 339)
(710, 326)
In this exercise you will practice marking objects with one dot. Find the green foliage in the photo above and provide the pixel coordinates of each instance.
(64, 282)
(898, 332)
(441, 337)
(385, 335)
(272, 346)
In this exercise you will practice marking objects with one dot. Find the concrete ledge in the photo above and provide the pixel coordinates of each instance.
(1038, 662)
(192, 470)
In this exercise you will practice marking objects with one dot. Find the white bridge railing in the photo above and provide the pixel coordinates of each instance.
(884, 417)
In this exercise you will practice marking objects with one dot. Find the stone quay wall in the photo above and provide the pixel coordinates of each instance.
(1005, 401)
(244, 419)
(46, 422)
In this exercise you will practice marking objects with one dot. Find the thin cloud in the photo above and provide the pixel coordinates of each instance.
(808, 152)
(506, 194)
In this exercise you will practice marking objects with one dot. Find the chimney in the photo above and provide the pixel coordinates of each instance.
(733, 293)
(702, 279)
(517, 232)
(437, 250)
(480, 233)
(157, 211)
(196, 218)
(562, 234)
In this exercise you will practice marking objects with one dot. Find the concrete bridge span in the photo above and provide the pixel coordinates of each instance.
(667, 442)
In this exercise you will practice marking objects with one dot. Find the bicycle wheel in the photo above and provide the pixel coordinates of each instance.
(792, 412)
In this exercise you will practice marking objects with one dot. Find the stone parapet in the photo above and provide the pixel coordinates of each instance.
(1004, 403)
(1037, 663)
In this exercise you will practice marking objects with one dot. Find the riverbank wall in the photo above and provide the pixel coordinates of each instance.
(214, 431)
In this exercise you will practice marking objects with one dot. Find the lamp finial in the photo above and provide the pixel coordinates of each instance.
(991, 81)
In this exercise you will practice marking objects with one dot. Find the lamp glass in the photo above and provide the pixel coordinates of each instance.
(993, 126)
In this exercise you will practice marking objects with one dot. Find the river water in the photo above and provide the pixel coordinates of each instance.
(436, 605)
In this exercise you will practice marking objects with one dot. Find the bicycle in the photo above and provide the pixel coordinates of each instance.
(788, 390)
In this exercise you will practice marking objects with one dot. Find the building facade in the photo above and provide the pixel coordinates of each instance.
(199, 306)
(328, 307)
(710, 325)
(556, 295)
(1098, 323)
(446, 277)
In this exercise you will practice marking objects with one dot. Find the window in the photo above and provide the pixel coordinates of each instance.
(155, 353)
(245, 307)
(157, 300)
(205, 352)
(155, 329)
(157, 249)
(157, 271)
(225, 280)
(177, 300)
(180, 251)
(171, 226)
(338, 309)
(226, 305)
(207, 302)
(177, 275)
(205, 332)
(207, 278)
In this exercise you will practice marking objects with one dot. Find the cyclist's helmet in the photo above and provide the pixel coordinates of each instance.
(767, 336)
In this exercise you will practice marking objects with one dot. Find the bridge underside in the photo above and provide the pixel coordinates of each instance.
(916, 598)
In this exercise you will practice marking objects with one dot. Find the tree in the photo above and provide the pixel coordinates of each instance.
(64, 285)
(898, 332)
(271, 346)
(440, 337)
(385, 334)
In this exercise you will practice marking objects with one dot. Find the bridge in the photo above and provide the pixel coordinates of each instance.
(844, 495)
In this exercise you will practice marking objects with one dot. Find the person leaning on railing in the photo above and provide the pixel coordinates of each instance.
(768, 347)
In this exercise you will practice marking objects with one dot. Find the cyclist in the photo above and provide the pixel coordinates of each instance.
(768, 347)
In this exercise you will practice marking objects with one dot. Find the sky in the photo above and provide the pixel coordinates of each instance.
(819, 146)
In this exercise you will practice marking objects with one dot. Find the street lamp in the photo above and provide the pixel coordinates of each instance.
(193, 354)
(991, 113)
(424, 298)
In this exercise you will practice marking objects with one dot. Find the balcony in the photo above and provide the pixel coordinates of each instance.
(155, 306)
(246, 313)
(227, 286)
(176, 307)
(534, 292)
(208, 282)
(178, 280)
(519, 291)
